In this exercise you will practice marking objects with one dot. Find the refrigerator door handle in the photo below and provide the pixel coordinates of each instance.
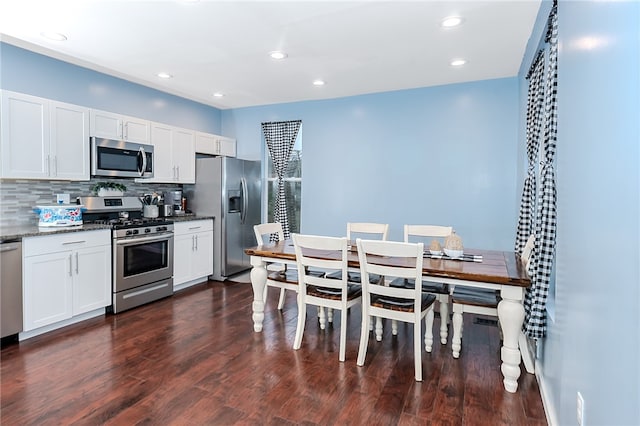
(245, 199)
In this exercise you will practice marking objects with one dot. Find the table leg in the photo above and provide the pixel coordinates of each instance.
(511, 316)
(258, 282)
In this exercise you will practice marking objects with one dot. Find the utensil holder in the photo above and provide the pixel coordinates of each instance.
(150, 210)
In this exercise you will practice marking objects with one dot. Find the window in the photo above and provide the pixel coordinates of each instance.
(293, 185)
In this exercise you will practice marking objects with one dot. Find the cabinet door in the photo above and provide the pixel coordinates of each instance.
(105, 125)
(91, 279)
(47, 289)
(206, 143)
(203, 255)
(163, 168)
(183, 245)
(184, 155)
(24, 142)
(69, 136)
(226, 147)
(135, 130)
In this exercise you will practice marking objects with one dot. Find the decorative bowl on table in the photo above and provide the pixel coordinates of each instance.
(455, 254)
(435, 248)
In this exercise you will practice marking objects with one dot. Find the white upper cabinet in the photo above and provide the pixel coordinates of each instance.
(43, 139)
(207, 143)
(69, 141)
(121, 127)
(173, 155)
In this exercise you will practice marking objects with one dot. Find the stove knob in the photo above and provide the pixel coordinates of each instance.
(129, 232)
(147, 230)
(161, 228)
(134, 232)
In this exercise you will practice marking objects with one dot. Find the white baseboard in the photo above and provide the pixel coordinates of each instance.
(547, 403)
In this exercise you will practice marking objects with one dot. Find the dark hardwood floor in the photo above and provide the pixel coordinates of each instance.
(193, 359)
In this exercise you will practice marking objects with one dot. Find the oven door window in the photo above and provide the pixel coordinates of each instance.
(145, 257)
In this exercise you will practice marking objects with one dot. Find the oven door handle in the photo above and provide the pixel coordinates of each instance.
(137, 240)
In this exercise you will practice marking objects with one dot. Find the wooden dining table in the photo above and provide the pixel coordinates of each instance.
(498, 270)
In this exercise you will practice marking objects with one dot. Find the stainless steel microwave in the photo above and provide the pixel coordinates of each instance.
(111, 157)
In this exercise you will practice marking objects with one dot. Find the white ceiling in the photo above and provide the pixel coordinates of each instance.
(211, 46)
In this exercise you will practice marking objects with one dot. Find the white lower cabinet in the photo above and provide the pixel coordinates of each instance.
(65, 276)
(193, 252)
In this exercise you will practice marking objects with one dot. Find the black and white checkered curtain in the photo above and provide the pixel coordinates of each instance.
(535, 322)
(535, 103)
(280, 137)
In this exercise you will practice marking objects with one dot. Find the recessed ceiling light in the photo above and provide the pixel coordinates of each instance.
(164, 75)
(458, 62)
(276, 54)
(318, 82)
(51, 35)
(451, 21)
(218, 95)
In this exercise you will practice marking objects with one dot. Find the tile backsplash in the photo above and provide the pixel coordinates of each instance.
(19, 197)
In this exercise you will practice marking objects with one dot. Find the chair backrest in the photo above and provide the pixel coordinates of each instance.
(267, 230)
(381, 230)
(401, 260)
(321, 253)
(426, 231)
(527, 251)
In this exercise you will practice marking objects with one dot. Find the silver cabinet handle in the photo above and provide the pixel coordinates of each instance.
(70, 266)
(77, 263)
(74, 242)
(196, 242)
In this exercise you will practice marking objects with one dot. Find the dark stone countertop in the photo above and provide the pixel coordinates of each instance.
(12, 233)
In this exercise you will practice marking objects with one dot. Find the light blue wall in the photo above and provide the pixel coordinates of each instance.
(27, 72)
(441, 155)
(593, 345)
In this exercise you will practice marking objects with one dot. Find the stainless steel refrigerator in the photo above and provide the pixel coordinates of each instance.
(230, 190)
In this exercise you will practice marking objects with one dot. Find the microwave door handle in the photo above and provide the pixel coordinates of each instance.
(143, 156)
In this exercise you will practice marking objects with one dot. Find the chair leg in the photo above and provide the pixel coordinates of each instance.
(330, 315)
(456, 341)
(264, 294)
(343, 334)
(322, 317)
(444, 318)
(370, 323)
(379, 329)
(428, 333)
(417, 350)
(281, 300)
(364, 339)
(302, 317)
(394, 327)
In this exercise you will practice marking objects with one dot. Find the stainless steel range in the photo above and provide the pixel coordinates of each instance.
(142, 250)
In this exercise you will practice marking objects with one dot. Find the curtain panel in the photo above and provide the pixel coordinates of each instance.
(535, 324)
(280, 137)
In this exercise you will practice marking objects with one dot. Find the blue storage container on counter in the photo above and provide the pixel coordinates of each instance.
(59, 215)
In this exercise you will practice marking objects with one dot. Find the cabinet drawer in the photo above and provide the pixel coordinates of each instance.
(193, 226)
(33, 246)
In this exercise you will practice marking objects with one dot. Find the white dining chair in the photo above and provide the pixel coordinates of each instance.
(422, 233)
(369, 230)
(320, 291)
(479, 301)
(395, 260)
(278, 274)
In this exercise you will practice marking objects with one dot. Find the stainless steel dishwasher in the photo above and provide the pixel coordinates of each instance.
(10, 288)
